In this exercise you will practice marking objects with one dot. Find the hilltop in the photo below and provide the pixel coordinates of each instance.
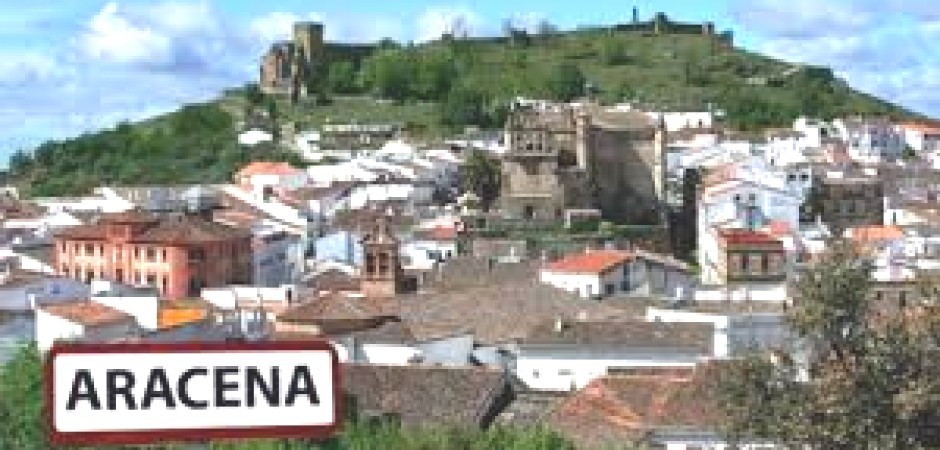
(442, 86)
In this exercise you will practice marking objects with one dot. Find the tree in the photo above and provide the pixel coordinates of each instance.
(481, 175)
(613, 51)
(253, 94)
(463, 106)
(565, 82)
(389, 74)
(341, 77)
(21, 420)
(873, 380)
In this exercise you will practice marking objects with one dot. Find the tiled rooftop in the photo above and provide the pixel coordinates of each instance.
(425, 395)
(695, 337)
(747, 237)
(267, 168)
(590, 262)
(87, 313)
(617, 409)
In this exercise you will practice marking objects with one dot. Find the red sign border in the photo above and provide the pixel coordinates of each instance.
(191, 434)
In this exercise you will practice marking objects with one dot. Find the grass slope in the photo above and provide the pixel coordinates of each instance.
(198, 142)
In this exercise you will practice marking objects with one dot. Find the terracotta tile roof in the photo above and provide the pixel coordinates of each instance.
(174, 317)
(697, 337)
(875, 233)
(87, 313)
(497, 305)
(438, 233)
(89, 232)
(390, 332)
(189, 229)
(590, 262)
(158, 229)
(926, 127)
(614, 409)
(268, 168)
(339, 307)
(779, 228)
(425, 395)
(738, 236)
(334, 280)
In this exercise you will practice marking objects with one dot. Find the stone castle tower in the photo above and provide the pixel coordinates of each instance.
(382, 273)
(287, 64)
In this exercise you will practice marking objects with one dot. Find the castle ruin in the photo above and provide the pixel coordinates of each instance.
(287, 64)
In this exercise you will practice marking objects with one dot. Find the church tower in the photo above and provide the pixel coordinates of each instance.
(382, 273)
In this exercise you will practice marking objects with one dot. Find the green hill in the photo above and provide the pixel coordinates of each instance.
(441, 87)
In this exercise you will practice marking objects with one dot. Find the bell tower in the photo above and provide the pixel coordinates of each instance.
(382, 272)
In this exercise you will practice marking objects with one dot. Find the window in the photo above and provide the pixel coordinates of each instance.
(151, 280)
(804, 177)
(196, 254)
(119, 275)
(163, 283)
(535, 373)
(163, 255)
(370, 264)
(765, 263)
(89, 249)
(529, 212)
(100, 249)
(137, 278)
(89, 275)
(610, 288)
(151, 254)
(565, 372)
(744, 262)
(136, 252)
(902, 299)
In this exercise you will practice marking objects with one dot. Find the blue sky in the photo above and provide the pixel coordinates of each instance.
(71, 66)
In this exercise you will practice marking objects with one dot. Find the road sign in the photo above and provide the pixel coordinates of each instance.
(139, 393)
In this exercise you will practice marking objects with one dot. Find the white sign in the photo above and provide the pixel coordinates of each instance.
(137, 393)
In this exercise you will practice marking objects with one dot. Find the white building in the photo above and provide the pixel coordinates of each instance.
(565, 355)
(870, 141)
(742, 196)
(82, 320)
(923, 138)
(254, 137)
(592, 274)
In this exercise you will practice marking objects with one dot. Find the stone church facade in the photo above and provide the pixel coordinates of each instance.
(563, 157)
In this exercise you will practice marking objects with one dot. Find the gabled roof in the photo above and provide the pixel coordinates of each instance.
(737, 236)
(590, 262)
(438, 233)
(697, 337)
(87, 313)
(268, 168)
(425, 395)
(875, 233)
(614, 409)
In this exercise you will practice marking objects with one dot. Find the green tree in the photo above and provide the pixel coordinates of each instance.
(341, 77)
(873, 380)
(613, 51)
(481, 174)
(21, 420)
(463, 106)
(565, 82)
(389, 74)
(253, 94)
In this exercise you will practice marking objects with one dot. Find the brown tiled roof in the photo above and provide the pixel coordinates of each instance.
(497, 306)
(189, 229)
(338, 306)
(89, 232)
(390, 332)
(425, 395)
(87, 313)
(624, 334)
(334, 281)
(618, 409)
(591, 262)
(168, 229)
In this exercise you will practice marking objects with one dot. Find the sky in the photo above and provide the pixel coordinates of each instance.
(73, 66)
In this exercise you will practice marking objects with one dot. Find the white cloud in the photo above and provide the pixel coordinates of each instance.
(111, 36)
(803, 18)
(22, 69)
(433, 23)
